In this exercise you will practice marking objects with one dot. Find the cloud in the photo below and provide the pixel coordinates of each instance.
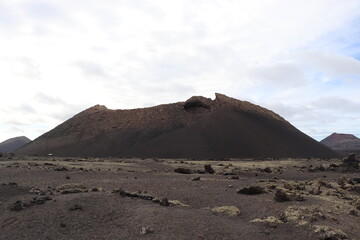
(42, 10)
(44, 98)
(61, 57)
(91, 69)
(282, 74)
(14, 130)
(25, 108)
(30, 69)
(333, 65)
(337, 104)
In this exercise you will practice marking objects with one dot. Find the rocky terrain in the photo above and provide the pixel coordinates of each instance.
(12, 144)
(198, 128)
(342, 143)
(154, 198)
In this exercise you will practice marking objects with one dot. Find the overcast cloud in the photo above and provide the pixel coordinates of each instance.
(298, 58)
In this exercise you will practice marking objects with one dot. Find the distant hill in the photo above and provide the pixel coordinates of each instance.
(198, 128)
(342, 143)
(12, 144)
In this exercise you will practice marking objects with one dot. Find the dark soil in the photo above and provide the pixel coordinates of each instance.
(129, 198)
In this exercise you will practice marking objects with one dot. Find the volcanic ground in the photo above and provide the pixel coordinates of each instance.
(153, 198)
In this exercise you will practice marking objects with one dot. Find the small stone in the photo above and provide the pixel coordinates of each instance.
(315, 189)
(353, 212)
(146, 230)
(281, 196)
(267, 170)
(164, 202)
(60, 169)
(303, 223)
(47, 198)
(251, 190)
(229, 210)
(18, 206)
(209, 169)
(183, 170)
(76, 207)
(196, 179)
(326, 233)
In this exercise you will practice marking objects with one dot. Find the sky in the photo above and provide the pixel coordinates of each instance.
(299, 58)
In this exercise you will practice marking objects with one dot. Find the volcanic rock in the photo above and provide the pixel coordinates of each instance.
(326, 233)
(229, 210)
(351, 162)
(198, 128)
(251, 190)
(209, 169)
(183, 170)
(146, 230)
(284, 196)
(76, 207)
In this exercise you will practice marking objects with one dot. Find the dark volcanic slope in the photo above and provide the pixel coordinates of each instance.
(198, 128)
(13, 144)
(343, 143)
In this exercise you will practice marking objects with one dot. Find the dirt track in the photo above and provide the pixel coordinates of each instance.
(119, 199)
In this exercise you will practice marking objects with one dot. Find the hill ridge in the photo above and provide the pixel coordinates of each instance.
(12, 144)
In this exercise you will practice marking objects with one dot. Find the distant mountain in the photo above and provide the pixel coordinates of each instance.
(198, 128)
(342, 143)
(12, 144)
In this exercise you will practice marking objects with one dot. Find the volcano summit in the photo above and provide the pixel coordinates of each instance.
(198, 128)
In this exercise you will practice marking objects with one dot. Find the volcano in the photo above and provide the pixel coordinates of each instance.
(342, 143)
(12, 144)
(197, 128)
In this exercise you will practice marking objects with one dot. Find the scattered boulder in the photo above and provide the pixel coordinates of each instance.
(97, 189)
(11, 184)
(251, 190)
(229, 210)
(71, 188)
(196, 179)
(291, 185)
(297, 213)
(200, 171)
(353, 212)
(315, 189)
(351, 162)
(146, 230)
(270, 221)
(282, 196)
(164, 202)
(60, 169)
(209, 169)
(183, 170)
(178, 203)
(17, 206)
(329, 233)
(76, 207)
(268, 170)
(134, 195)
